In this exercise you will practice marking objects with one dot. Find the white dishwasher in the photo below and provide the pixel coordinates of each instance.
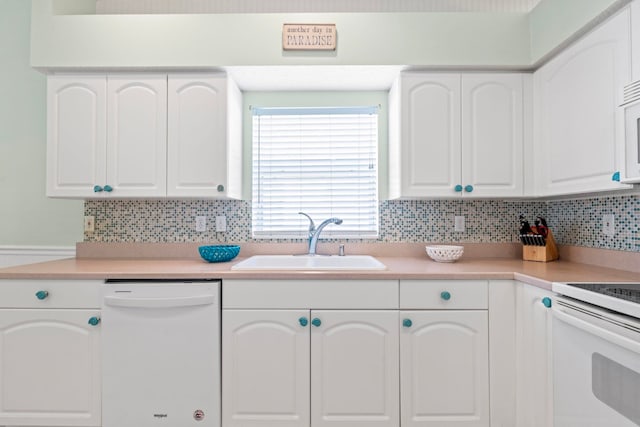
(161, 353)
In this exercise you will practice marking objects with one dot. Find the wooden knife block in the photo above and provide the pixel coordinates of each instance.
(546, 253)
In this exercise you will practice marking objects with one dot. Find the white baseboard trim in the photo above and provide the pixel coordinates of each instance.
(19, 255)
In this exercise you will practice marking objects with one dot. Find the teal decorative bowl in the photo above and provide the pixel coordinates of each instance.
(219, 253)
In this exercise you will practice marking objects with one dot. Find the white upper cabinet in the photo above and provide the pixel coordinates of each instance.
(205, 145)
(424, 144)
(144, 135)
(136, 135)
(453, 135)
(76, 134)
(492, 134)
(578, 127)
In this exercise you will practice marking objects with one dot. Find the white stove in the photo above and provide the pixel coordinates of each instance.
(596, 354)
(619, 297)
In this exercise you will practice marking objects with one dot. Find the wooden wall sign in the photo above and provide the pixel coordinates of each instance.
(309, 37)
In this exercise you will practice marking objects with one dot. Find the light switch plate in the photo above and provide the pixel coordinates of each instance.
(221, 224)
(459, 225)
(89, 223)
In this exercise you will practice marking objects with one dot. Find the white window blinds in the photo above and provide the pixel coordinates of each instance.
(321, 161)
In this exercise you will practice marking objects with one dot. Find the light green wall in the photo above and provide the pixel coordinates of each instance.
(27, 217)
(210, 40)
(317, 99)
(479, 40)
(553, 21)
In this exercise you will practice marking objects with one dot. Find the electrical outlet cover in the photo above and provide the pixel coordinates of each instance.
(201, 223)
(608, 225)
(459, 225)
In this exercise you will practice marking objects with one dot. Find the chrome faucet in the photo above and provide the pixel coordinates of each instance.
(314, 233)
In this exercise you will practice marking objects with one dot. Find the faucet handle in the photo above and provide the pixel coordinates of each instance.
(312, 225)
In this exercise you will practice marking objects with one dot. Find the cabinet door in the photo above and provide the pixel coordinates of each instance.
(265, 368)
(76, 134)
(430, 135)
(49, 368)
(137, 135)
(444, 368)
(197, 143)
(534, 367)
(354, 368)
(492, 135)
(580, 131)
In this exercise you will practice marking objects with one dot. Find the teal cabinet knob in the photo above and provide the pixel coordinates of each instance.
(445, 295)
(97, 189)
(94, 321)
(407, 323)
(457, 188)
(316, 322)
(303, 321)
(220, 188)
(108, 188)
(546, 301)
(615, 177)
(42, 295)
(468, 188)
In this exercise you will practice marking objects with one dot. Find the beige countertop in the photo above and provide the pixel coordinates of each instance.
(399, 267)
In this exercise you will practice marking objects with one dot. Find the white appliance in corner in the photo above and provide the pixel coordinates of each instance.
(632, 133)
(161, 353)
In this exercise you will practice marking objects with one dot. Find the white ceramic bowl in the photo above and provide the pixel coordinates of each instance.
(445, 253)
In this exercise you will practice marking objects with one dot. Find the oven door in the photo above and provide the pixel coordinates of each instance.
(596, 366)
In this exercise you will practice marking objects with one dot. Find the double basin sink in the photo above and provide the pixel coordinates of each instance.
(310, 262)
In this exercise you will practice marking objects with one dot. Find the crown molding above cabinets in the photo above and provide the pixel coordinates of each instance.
(116, 136)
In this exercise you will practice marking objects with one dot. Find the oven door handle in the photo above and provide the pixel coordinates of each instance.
(609, 336)
(160, 302)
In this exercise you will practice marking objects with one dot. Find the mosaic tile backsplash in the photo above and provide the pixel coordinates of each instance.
(574, 222)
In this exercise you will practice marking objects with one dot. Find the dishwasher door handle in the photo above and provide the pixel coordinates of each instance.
(160, 302)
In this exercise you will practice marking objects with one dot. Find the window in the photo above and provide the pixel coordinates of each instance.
(321, 161)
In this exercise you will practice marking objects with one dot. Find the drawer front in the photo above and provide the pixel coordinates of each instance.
(317, 294)
(444, 294)
(50, 293)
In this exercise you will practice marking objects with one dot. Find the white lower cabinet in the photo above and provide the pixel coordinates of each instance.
(318, 367)
(49, 354)
(534, 357)
(444, 366)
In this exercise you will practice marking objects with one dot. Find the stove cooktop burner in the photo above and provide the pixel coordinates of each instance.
(629, 292)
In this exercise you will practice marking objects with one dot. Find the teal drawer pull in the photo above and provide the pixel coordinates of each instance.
(407, 323)
(445, 295)
(94, 321)
(546, 301)
(42, 295)
(316, 322)
(303, 321)
(108, 188)
(458, 188)
(615, 177)
(468, 188)
(97, 189)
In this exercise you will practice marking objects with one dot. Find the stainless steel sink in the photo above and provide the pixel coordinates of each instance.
(310, 262)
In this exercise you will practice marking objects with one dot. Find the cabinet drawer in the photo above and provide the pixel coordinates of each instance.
(444, 294)
(50, 293)
(317, 294)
